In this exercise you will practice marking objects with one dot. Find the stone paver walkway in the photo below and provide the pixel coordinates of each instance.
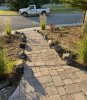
(46, 77)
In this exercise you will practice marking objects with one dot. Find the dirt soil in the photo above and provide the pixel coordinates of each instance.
(67, 37)
(12, 47)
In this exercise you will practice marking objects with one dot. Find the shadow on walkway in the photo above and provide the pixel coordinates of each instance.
(28, 59)
(33, 81)
(28, 48)
(77, 65)
(33, 41)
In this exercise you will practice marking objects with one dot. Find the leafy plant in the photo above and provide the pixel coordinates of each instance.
(82, 49)
(6, 65)
(43, 21)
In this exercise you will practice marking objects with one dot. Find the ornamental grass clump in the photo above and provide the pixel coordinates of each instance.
(8, 30)
(6, 65)
(43, 20)
(82, 50)
(8, 27)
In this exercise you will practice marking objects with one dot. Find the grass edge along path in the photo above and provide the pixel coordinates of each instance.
(66, 10)
(8, 13)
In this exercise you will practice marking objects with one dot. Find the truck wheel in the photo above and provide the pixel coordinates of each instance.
(25, 14)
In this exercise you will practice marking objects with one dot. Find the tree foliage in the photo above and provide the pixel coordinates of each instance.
(82, 4)
(55, 1)
(38, 2)
(17, 4)
(2, 1)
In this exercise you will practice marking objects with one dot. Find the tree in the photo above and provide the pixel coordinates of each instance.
(38, 2)
(62, 1)
(56, 1)
(17, 4)
(2, 1)
(81, 4)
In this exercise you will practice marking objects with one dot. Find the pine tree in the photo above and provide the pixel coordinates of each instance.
(81, 4)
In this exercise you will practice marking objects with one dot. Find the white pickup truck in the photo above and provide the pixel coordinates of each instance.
(34, 10)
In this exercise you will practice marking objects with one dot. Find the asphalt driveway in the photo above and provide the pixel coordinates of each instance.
(20, 22)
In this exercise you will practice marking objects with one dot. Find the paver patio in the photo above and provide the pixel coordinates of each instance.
(46, 77)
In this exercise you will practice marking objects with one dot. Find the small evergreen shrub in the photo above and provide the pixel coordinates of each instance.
(43, 21)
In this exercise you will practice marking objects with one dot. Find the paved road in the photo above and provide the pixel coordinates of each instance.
(19, 22)
(4, 7)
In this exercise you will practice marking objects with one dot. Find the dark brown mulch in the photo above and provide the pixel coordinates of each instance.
(12, 47)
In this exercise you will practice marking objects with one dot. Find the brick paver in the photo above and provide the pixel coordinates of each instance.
(78, 96)
(61, 91)
(46, 77)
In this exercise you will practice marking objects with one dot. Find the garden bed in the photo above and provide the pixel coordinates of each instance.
(9, 82)
(64, 40)
(67, 37)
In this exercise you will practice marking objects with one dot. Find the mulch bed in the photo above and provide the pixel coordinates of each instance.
(67, 37)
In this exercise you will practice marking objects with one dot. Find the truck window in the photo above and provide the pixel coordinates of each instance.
(31, 7)
(38, 6)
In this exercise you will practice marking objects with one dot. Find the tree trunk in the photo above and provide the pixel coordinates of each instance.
(85, 22)
(85, 17)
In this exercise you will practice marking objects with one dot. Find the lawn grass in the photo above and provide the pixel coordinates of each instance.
(65, 10)
(8, 12)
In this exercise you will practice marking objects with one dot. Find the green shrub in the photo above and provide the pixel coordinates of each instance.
(43, 21)
(82, 49)
(6, 65)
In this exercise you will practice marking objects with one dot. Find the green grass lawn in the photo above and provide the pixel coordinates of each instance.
(8, 12)
(65, 10)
